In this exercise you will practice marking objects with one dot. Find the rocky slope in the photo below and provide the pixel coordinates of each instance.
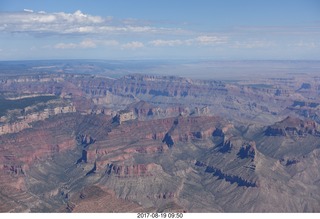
(151, 143)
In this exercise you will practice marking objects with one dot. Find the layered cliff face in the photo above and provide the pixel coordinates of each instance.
(261, 100)
(290, 137)
(154, 85)
(27, 120)
(148, 137)
(293, 127)
(151, 143)
(20, 151)
(46, 138)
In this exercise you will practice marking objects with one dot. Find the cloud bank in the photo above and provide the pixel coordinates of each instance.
(41, 22)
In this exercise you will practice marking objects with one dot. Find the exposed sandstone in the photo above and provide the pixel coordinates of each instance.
(26, 121)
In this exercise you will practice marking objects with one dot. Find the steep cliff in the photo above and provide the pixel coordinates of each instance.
(151, 143)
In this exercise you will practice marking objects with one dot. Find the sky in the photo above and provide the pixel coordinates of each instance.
(160, 29)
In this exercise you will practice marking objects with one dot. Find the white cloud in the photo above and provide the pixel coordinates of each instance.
(108, 42)
(280, 30)
(66, 46)
(82, 45)
(89, 43)
(3, 27)
(86, 44)
(44, 19)
(252, 44)
(133, 45)
(210, 40)
(43, 22)
(28, 10)
(79, 17)
(71, 23)
(166, 42)
(200, 40)
(306, 44)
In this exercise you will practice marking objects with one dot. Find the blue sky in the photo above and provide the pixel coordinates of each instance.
(160, 29)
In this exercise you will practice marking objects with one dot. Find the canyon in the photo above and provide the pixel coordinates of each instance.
(91, 142)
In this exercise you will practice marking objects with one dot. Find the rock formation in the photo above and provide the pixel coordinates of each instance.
(293, 127)
(158, 144)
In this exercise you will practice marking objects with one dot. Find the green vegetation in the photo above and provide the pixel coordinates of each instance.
(6, 104)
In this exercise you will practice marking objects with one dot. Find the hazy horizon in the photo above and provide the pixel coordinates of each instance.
(196, 69)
